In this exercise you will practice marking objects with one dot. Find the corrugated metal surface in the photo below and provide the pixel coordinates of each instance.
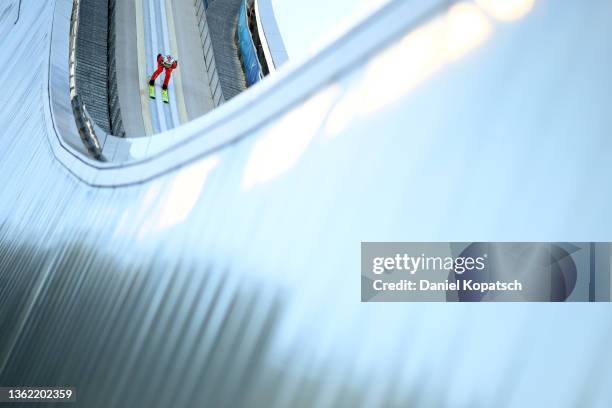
(235, 281)
(116, 122)
(222, 16)
(92, 58)
(209, 55)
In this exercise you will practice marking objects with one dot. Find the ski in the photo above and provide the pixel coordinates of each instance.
(165, 96)
(151, 91)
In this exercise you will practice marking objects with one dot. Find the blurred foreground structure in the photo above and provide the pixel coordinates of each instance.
(217, 263)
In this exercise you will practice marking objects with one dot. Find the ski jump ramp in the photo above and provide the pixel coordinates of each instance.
(217, 263)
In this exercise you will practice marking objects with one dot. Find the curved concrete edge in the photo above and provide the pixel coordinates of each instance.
(269, 34)
(134, 161)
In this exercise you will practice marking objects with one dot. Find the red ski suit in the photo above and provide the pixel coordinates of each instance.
(161, 65)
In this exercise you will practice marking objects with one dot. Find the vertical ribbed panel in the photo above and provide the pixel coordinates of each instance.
(116, 123)
(209, 56)
(92, 60)
(222, 17)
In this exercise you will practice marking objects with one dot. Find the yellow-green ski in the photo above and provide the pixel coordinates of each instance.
(165, 96)
(151, 91)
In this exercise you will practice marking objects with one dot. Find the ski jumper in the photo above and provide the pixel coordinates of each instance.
(162, 64)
